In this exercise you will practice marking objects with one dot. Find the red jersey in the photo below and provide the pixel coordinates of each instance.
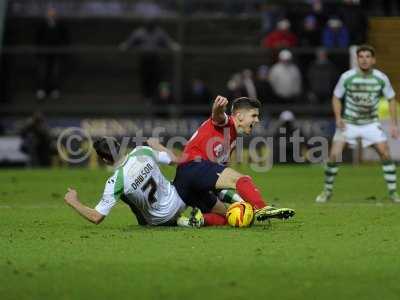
(279, 39)
(211, 142)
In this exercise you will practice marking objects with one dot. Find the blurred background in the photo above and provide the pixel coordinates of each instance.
(114, 67)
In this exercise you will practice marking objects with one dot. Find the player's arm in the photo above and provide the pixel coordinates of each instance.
(338, 94)
(165, 155)
(218, 114)
(337, 111)
(90, 214)
(390, 95)
(394, 131)
(393, 111)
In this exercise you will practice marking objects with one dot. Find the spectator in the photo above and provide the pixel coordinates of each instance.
(198, 92)
(37, 142)
(50, 33)
(355, 19)
(318, 11)
(282, 37)
(289, 141)
(235, 87)
(285, 78)
(263, 88)
(164, 99)
(335, 34)
(270, 14)
(249, 87)
(310, 35)
(164, 94)
(150, 39)
(322, 75)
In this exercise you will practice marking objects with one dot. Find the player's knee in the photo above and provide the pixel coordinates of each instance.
(333, 157)
(383, 152)
(230, 176)
(385, 155)
(236, 176)
(219, 208)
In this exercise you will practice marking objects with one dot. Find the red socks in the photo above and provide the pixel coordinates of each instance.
(246, 188)
(211, 219)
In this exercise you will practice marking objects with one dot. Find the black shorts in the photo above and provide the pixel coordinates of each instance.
(195, 182)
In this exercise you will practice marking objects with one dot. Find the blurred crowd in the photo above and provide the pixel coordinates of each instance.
(320, 27)
(336, 27)
(284, 83)
(281, 29)
(171, 8)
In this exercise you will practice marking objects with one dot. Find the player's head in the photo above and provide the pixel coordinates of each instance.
(365, 57)
(107, 148)
(246, 112)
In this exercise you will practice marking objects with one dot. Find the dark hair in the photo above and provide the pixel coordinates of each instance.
(107, 148)
(368, 48)
(245, 103)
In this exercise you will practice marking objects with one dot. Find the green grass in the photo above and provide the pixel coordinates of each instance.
(346, 249)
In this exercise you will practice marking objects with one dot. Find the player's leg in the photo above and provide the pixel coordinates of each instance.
(244, 186)
(211, 211)
(229, 196)
(247, 190)
(212, 219)
(374, 135)
(389, 170)
(199, 178)
(216, 215)
(195, 219)
(331, 170)
(194, 182)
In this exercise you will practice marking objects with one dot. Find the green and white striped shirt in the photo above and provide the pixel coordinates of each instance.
(139, 180)
(361, 94)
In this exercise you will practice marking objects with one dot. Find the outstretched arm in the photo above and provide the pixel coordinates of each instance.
(90, 214)
(218, 110)
(156, 145)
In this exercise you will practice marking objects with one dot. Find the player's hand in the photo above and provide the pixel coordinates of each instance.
(220, 103)
(340, 124)
(71, 196)
(394, 131)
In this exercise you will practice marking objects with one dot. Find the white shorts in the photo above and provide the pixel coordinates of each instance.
(369, 134)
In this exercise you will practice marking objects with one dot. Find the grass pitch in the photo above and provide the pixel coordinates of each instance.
(346, 249)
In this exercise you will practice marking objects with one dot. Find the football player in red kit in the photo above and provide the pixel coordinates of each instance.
(202, 167)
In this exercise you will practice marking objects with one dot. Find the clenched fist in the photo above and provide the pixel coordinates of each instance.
(71, 196)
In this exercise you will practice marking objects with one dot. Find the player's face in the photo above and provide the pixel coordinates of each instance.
(365, 60)
(248, 118)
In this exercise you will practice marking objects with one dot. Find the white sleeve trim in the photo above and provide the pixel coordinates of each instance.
(339, 90)
(104, 206)
(164, 158)
(102, 210)
(107, 200)
(388, 91)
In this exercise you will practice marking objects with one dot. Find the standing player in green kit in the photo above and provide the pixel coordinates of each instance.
(355, 105)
